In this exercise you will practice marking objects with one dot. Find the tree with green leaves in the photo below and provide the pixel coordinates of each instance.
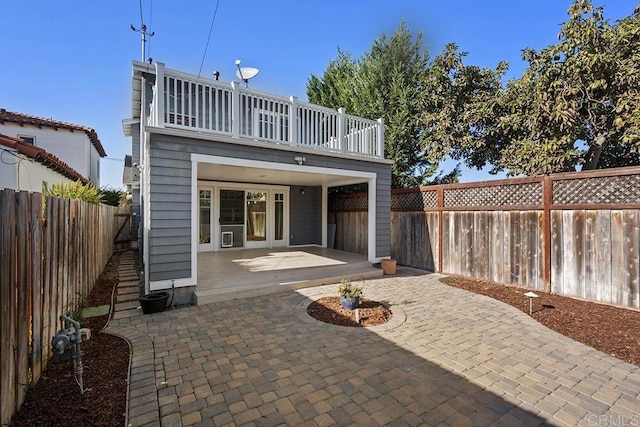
(585, 88)
(385, 82)
(459, 105)
(577, 104)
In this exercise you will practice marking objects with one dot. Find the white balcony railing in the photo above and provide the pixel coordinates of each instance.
(185, 101)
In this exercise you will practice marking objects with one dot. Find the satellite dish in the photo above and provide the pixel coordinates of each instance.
(246, 73)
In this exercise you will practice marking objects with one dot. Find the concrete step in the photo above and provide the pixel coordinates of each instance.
(236, 289)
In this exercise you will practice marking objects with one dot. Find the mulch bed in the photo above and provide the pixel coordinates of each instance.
(329, 310)
(612, 330)
(56, 398)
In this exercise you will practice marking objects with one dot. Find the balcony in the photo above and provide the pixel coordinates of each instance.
(184, 101)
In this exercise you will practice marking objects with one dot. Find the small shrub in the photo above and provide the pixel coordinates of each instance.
(74, 190)
(349, 290)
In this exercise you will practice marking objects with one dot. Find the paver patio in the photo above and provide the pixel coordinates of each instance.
(448, 357)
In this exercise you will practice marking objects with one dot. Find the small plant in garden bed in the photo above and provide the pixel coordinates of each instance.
(349, 294)
(349, 290)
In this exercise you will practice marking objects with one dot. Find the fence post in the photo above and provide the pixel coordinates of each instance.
(380, 141)
(341, 130)
(547, 199)
(235, 110)
(293, 120)
(440, 205)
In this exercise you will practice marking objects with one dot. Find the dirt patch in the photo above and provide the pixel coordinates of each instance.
(612, 330)
(56, 398)
(329, 310)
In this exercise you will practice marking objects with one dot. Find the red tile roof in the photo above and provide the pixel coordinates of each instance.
(25, 119)
(42, 156)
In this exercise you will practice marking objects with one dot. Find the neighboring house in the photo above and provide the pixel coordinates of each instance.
(224, 167)
(27, 167)
(76, 145)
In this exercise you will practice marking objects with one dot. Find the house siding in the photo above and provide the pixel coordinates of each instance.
(170, 215)
(170, 184)
(136, 217)
(305, 216)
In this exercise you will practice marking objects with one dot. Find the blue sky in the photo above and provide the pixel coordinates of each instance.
(71, 60)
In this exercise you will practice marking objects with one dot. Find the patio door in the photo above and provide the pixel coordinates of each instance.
(232, 214)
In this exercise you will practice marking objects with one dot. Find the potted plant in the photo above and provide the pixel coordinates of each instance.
(349, 294)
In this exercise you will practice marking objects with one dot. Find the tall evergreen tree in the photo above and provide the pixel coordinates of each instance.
(385, 82)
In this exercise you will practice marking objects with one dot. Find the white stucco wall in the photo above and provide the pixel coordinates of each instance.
(8, 173)
(73, 148)
(28, 175)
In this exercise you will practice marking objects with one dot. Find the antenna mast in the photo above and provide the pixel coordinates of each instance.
(143, 31)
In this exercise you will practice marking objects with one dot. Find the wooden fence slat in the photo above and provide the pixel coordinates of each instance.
(603, 256)
(23, 296)
(7, 301)
(590, 260)
(556, 252)
(632, 251)
(36, 278)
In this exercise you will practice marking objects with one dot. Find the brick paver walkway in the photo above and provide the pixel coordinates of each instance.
(449, 357)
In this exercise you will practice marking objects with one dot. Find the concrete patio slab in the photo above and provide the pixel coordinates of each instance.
(449, 357)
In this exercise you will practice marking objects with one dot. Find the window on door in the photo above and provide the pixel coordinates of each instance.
(205, 217)
(279, 216)
(256, 216)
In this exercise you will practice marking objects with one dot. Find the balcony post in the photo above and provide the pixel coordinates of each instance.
(341, 136)
(158, 96)
(235, 110)
(293, 120)
(380, 152)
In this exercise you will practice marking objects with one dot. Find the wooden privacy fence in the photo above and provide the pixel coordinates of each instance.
(576, 234)
(50, 260)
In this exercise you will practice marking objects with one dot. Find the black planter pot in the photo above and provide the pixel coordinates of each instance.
(154, 303)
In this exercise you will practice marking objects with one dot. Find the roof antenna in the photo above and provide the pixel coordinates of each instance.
(143, 31)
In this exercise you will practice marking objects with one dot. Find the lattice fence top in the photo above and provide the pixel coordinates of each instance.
(350, 203)
(597, 190)
(525, 194)
(414, 200)
(579, 190)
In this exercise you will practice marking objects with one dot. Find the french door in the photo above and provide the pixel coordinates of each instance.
(251, 217)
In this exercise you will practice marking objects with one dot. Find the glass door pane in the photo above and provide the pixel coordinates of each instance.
(279, 216)
(204, 219)
(256, 216)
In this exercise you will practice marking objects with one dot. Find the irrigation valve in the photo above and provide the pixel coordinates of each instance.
(66, 345)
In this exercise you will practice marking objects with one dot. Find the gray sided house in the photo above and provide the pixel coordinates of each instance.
(219, 167)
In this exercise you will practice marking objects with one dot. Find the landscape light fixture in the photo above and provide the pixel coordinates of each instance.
(531, 296)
